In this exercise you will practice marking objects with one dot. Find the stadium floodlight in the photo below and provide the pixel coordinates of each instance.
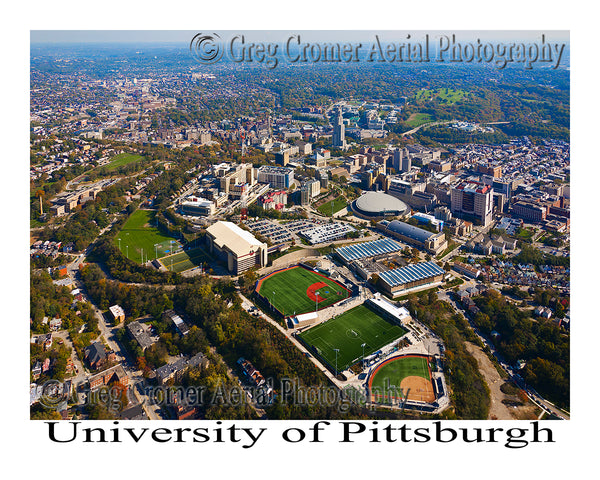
(316, 301)
(336, 350)
(363, 355)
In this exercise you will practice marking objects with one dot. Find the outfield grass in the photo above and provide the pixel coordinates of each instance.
(339, 203)
(182, 261)
(287, 290)
(138, 234)
(389, 376)
(122, 159)
(347, 333)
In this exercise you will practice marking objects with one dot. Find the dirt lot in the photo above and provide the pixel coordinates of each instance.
(498, 410)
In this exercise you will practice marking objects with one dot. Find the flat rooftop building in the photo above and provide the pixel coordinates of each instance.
(238, 247)
(397, 280)
(433, 243)
(368, 249)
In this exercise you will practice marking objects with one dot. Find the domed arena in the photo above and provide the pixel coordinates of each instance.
(379, 204)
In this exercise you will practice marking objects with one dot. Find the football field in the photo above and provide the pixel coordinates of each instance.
(347, 333)
(297, 290)
(185, 260)
(139, 235)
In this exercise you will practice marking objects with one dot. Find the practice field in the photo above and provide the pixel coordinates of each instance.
(347, 333)
(398, 377)
(297, 290)
(339, 203)
(137, 234)
(185, 260)
(122, 159)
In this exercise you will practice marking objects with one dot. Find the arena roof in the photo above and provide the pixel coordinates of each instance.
(368, 249)
(379, 203)
(410, 231)
(410, 273)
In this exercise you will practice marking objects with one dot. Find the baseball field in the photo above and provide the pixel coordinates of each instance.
(296, 290)
(402, 377)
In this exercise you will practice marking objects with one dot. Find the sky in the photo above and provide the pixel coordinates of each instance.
(176, 36)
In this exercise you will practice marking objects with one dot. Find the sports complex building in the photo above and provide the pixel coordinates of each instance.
(239, 248)
(379, 204)
(375, 248)
(433, 243)
(396, 281)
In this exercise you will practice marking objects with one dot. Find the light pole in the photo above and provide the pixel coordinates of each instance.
(363, 356)
(316, 301)
(336, 350)
(155, 251)
(119, 244)
(273, 301)
(127, 251)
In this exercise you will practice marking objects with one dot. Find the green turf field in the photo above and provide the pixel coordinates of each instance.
(287, 290)
(348, 332)
(122, 159)
(417, 119)
(389, 376)
(138, 234)
(185, 260)
(338, 204)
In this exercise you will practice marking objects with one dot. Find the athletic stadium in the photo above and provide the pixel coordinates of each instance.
(379, 204)
(297, 289)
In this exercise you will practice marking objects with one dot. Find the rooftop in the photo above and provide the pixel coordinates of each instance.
(411, 273)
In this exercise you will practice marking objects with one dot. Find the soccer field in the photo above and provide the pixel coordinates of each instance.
(137, 235)
(298, 290)
(347, 333)
(185, 260)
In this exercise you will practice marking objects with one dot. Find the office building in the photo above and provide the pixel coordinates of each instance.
(472, 201)
(277, 177)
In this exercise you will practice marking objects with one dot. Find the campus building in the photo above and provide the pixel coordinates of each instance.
(396, 281)
(277, 177)
(239, 248)
(198, 206)
(472, 201)
(431, 242)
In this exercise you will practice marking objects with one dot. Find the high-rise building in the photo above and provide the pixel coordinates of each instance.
(472, 201)
(401, 160)
(277, 177)
(339, 136)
